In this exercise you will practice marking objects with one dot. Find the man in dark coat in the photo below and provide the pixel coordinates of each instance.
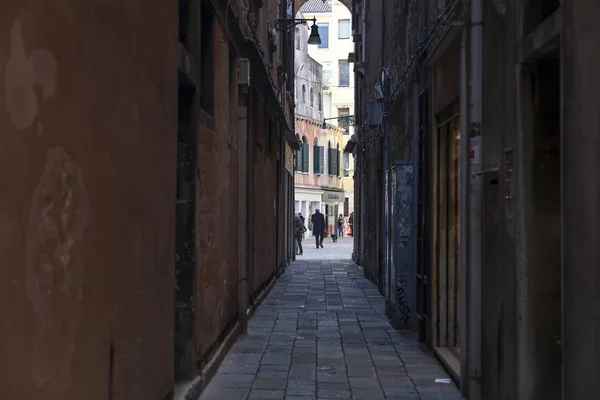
(318, 227)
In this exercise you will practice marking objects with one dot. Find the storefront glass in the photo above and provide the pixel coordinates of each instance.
(448, 233)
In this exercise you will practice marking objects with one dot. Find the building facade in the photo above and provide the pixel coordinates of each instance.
(318, 174)
(334, 54)
(138, 179)
(474, 120)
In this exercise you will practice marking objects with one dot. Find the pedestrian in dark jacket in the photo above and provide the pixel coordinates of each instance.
(299, 230)
(341, 226)
(318, 223)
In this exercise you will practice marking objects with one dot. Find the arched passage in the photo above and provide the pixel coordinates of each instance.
(300, 3)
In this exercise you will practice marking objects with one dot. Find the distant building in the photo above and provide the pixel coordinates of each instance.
(318, 164)
(335, 29)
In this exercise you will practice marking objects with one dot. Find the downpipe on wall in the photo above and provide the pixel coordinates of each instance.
(465, 191)
(471, 68)
(243, 213)
(475, 205)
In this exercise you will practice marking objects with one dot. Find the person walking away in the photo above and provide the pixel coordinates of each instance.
(340, 226)
(299, 230)
(318, 225)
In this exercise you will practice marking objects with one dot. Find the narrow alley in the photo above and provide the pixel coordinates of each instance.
(322, 333)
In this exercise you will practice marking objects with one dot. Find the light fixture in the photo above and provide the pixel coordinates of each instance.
(314, 37)
(349, 119)
(287, 24)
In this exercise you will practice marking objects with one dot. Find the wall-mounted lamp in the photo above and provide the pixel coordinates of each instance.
(286, 24)
(348, 118)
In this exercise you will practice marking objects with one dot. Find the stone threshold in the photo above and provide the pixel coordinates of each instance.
(449, 361)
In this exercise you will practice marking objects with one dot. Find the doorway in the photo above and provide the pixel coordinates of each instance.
(448, 234)
(185, 257)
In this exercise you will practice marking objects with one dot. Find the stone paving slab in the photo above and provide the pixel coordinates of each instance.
(322, 334)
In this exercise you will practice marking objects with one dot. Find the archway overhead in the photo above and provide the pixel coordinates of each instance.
(320, 5)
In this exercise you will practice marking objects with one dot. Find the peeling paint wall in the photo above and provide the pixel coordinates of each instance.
(87, 165)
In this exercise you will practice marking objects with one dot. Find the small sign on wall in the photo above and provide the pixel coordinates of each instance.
(333, 197)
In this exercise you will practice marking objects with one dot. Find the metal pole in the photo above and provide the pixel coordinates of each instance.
(464, 206)
(242, 214)
(475, 198)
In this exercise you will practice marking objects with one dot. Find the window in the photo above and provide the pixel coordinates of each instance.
(343, 122)
(334, 160)
(304, 94)
(312, 98)
(301, 161)
(337, 159)
(344, 73)
(347, 206)
(324, 34)
(344, 29)
(297, 37)
(320, 102)
(326, 77)
(318, 158)
(346, 164)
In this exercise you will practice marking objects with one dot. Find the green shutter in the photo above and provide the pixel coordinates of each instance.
(315, 159)
(321, 159)
(330, 162)
(337, 156)
(298, 160)
(304, 161)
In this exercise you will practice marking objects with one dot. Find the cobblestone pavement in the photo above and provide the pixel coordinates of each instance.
(322, 334)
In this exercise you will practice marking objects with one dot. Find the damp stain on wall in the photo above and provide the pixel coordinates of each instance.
(25, 72)
(59, 214)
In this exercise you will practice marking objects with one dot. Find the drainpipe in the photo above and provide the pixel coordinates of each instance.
(385, 162)
(475, 205)
(242, 213)
(471, 254)
(464, 205)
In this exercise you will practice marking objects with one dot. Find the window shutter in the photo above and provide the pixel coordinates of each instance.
(330, 164)
(297, 160)
(304, 161)
(337, 160)
(315, 159)
(321, 159)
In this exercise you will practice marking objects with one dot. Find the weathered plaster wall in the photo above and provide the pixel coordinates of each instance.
(87, 164)
(499, 269)
(217, 211)
(581, 205)
(308, 74)
(311, 130)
